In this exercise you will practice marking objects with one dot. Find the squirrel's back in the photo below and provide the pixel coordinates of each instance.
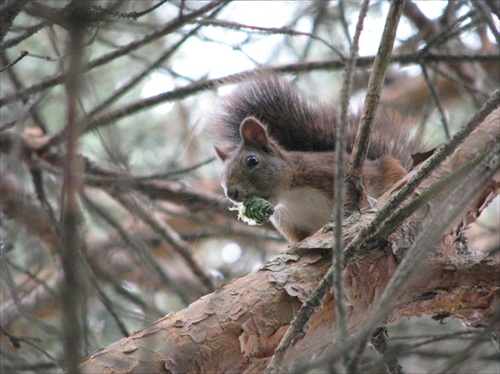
(299, 124)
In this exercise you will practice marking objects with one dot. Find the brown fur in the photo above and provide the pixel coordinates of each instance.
(293, 143)
(381, 174)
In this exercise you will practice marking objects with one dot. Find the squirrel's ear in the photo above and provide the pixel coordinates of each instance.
(221, 154)
(254, 133)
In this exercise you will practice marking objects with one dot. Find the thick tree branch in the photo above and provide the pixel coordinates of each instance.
(241, 323)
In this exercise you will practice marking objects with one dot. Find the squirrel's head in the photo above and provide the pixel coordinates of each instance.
(256, 167)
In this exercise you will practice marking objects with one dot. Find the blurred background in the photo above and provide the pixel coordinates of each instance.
(153, 230)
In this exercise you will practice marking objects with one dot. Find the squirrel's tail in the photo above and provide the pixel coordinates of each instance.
(394, 135)
(296, 123)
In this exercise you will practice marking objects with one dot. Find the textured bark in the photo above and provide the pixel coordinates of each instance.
(238, 327)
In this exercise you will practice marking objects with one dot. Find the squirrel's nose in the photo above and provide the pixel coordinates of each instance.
(234, 194)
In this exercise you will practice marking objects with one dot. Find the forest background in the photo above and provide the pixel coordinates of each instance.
(112, 213)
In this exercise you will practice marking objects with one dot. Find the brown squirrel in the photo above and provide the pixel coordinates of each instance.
(277, 145)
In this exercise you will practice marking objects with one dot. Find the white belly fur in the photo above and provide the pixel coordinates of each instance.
(305, 208)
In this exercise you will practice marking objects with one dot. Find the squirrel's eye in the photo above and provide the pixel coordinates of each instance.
(252, 161)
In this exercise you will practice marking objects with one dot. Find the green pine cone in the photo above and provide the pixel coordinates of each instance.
(255, 211)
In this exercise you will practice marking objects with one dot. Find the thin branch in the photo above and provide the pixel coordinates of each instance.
(120, 289)
(139, 251)
(30, 105)
(320, 9)
(272, 30)
(171, 237)
(30, 31)
(37, 280)
(27, 109)
(170, 174)
(199, 86)
(155, 188)
(425, 196)
(343, 21)
(377, 76)
(486, 14)
(437, 101)
(494, 7)
(438, 38)
(303, 315)
(380, 342)
(17, 340)
(110, 307)
(458, 358)
(339, 175)
(136, 15)
(429, 339)
(362, 62)
(127, 86)
(453, 77)
(298, 324)
(19, 57)
(19, 304)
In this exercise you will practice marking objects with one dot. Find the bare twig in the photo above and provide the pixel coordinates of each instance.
(339, 175)
(404, 212)
(21, 55)
(377, 76)
(465, 86)
(486, 14)
(320, 10)
(380, 342)
(126, 87)
(110, 307)
(139, 252)
(171, 237)
(153, 186)
(272, 30)
(437, 101)
(29, 105)
(363, 62)
(180, 93)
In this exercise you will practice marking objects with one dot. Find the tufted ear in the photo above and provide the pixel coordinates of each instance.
(254, 133)
(221, 154)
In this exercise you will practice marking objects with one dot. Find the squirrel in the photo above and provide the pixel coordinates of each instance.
(278, 145)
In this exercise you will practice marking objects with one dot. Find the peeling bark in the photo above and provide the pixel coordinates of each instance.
(237, 328)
